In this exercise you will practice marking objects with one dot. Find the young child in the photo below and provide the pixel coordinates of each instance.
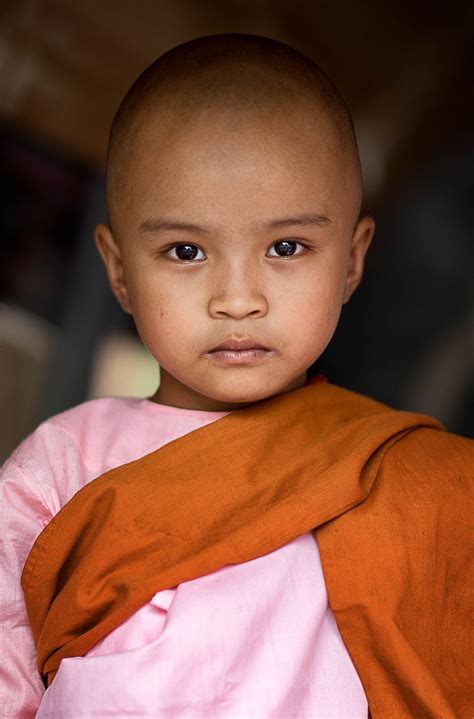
(247, 543)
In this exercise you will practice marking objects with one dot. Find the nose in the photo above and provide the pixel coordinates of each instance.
(238, 295)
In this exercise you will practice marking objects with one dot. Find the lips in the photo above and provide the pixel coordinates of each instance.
(232, 343)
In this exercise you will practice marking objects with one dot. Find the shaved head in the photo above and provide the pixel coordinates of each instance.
(226, 151)
(245, 79)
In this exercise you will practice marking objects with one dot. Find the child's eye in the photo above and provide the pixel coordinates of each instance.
(287, 248)
(188, 253)
(184, 252)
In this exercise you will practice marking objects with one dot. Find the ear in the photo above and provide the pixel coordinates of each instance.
(112, 257)
(361, 240)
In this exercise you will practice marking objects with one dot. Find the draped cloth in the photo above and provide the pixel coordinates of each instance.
(386, 494)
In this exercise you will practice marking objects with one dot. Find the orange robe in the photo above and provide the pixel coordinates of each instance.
(386, 493)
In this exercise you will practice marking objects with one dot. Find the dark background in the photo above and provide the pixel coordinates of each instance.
(404, 68)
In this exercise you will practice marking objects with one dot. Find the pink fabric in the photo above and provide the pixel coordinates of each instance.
(252, 640)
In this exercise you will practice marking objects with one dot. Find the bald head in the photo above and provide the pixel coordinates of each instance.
(246, 78)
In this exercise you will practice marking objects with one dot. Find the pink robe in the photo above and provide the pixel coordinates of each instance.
(256, 639)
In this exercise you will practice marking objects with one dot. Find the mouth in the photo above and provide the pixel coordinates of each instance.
(250, 356)
(239, 351)
(237, 344)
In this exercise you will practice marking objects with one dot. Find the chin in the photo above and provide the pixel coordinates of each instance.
(244, 392)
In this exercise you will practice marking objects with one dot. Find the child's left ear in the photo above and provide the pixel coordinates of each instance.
(361, 240)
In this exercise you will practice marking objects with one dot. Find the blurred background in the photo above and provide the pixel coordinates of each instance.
(404, 68)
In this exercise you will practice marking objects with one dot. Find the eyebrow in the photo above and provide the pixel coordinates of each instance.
(155, 224)
(307, 219)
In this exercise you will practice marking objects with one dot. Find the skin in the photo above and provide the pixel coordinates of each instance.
(235, 177)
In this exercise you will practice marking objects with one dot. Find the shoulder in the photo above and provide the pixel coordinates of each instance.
(435, 451)
(417, 516)
(420, 451)
(95, 424)
(69, 449)
(76, 427)
(430, 471)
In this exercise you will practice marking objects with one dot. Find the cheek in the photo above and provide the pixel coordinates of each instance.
(164, 317)
(317, 308)
(148, 297)
(320, 293)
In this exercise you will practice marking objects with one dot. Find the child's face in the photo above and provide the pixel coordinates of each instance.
(230, 192)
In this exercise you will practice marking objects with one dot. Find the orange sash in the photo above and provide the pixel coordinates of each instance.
(385, 492)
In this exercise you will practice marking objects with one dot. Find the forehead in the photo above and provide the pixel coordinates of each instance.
(218, 142)
(244, 159)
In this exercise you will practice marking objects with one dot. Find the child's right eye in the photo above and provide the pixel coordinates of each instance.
(185, 253)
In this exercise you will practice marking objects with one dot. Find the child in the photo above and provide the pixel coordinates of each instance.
(247, 543)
